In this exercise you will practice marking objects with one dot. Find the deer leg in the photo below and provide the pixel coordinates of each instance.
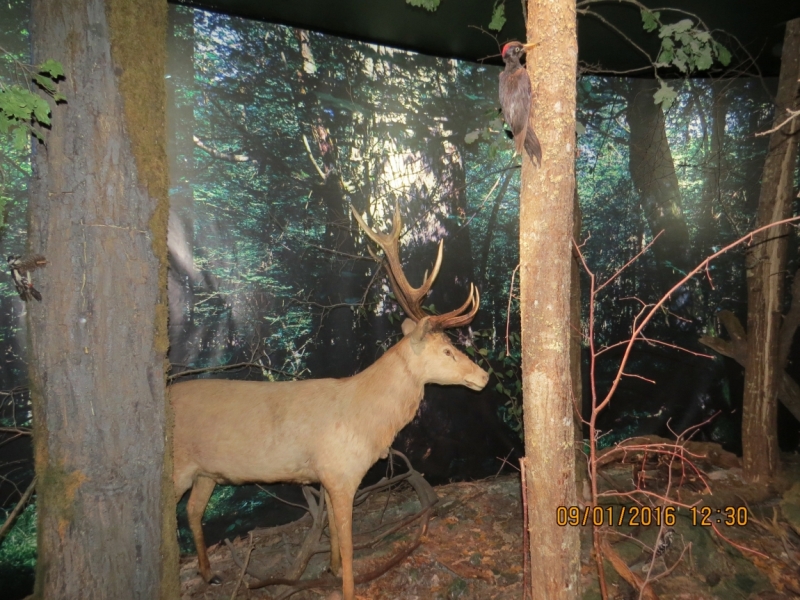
(342, 505)
(336, 557)
(198, 500)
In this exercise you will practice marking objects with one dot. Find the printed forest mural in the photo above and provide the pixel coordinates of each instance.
(275, 133)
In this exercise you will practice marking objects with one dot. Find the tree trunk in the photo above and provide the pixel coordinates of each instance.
(546, 222)
(766, 263)
(98, 212)
(653, 173)
(576, 331)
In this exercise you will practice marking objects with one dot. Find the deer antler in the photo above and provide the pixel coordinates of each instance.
(410, 298)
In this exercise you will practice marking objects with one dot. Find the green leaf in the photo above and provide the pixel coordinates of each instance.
(430, 5)
(650, 20)
(675, 29)
(665, 96)
(483, 352)
(41, 111)
(498, 17)
(723, 54)
(680, 59)
(46, 83)
(20, 137)
(704, 60)
(499, 387)
(52, 68)
(702, 36)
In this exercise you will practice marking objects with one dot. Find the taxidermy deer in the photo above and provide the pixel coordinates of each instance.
(329, 431)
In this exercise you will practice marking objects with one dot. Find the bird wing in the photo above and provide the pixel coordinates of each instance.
(515, 98)
(29, 263)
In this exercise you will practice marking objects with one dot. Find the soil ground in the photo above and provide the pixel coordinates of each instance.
(472, 548)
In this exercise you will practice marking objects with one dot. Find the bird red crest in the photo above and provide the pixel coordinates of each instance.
(505, 47)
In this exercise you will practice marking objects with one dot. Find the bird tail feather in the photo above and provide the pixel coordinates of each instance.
(532, 146)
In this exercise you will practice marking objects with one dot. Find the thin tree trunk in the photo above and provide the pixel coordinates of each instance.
(546, 222)
(98, 211)
(581, 470)
(766, 263)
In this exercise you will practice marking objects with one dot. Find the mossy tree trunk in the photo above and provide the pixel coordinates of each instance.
(98, 212)
(546, 228)
(766, 265)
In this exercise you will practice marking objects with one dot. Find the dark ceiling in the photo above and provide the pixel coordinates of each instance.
(452, 30)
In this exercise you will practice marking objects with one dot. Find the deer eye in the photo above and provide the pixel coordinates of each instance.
(447, 352)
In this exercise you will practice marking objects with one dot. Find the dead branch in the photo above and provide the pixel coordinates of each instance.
(227, 156)
(311, 544)
(308, 548)
(332, 582)
(686, 548)
(739, 547)
(709, 451)
(241, 365)
(17, 431)
(312, 159)
(646, 592)
(793, 114)
(244, 566)
(23, 501)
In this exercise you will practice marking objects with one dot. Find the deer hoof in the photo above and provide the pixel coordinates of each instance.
(334, 572)
(215, 580)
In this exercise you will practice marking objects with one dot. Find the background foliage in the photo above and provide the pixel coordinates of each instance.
(275, 132)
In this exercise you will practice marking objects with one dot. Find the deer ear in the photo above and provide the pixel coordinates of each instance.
(408, 326)
(416, 331)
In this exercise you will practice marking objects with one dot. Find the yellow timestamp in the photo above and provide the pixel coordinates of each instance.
(632, 516)
(705, 516)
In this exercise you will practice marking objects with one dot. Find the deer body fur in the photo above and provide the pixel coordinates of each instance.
(320, 430)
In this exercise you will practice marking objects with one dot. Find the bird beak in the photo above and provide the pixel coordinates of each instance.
(530, 46)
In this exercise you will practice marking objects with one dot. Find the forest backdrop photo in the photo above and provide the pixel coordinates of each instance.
(275, 132)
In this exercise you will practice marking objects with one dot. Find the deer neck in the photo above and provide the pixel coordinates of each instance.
(391, 390)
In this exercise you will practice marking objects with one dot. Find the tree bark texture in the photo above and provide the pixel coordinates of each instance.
(98, 211)
(766, 263)
(653, 173)
(546, 222)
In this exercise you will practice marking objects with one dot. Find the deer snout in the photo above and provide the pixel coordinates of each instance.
(477, 380)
